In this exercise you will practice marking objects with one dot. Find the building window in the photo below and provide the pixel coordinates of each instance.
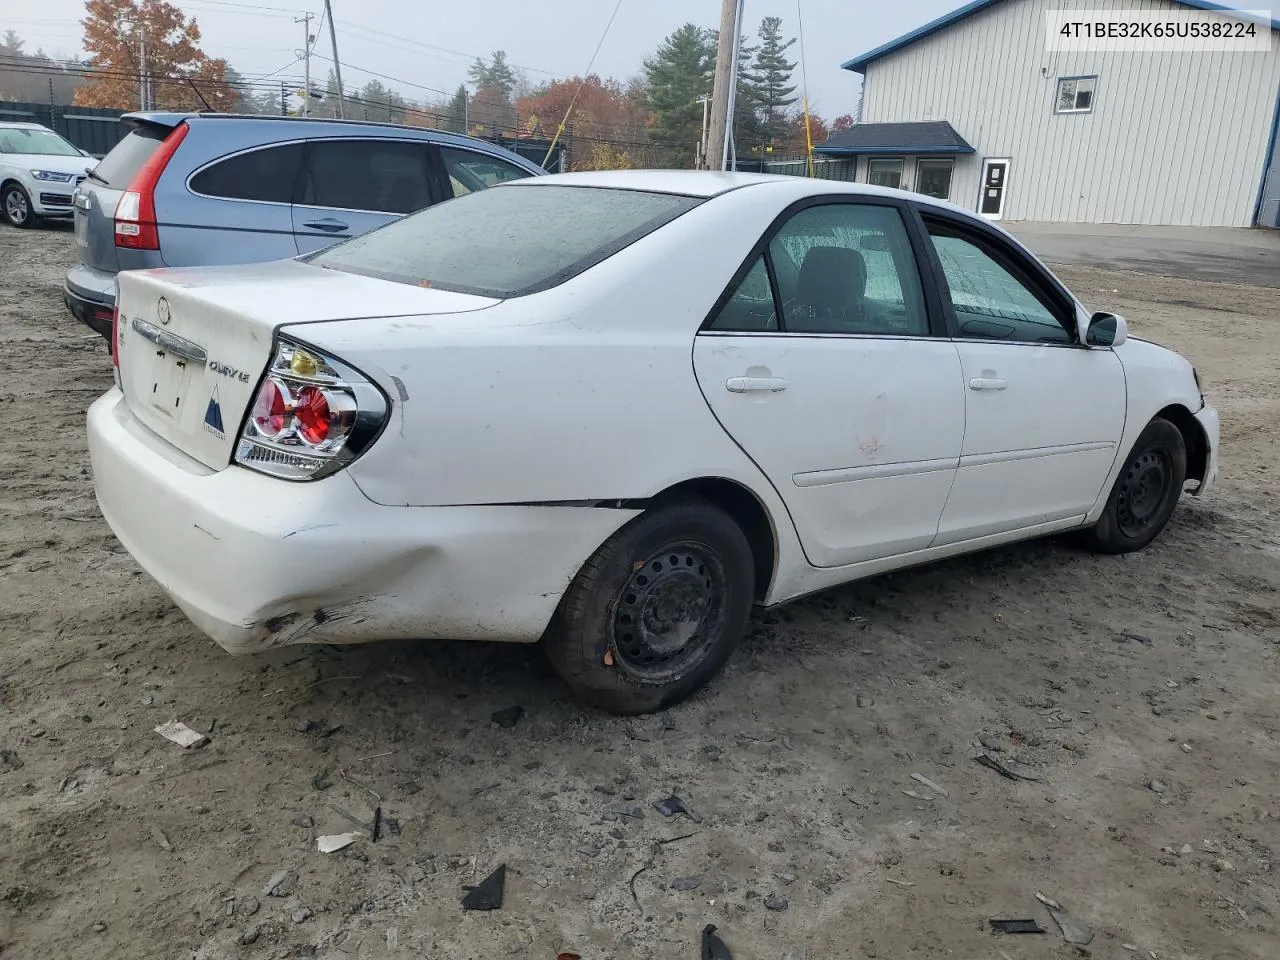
(1075, 94)
(933, 178)
(885, 173)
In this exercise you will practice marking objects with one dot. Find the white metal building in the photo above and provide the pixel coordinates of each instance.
(976, 108)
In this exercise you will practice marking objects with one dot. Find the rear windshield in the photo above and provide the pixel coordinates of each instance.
(508, 241)
(118, 167)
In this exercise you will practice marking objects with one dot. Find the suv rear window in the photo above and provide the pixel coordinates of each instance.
(509, 241)
(127, 157)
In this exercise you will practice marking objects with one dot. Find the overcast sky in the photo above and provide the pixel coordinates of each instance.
(546, 37)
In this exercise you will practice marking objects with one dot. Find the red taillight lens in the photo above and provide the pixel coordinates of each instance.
(136, 212)
(271, 409)
(312, 410)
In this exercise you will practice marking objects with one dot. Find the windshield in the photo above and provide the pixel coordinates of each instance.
(43, 142)
(507, 241)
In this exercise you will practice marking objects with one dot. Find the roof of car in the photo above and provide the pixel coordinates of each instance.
(21, 125)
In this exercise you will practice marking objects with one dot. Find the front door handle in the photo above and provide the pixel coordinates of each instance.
(328, 225)
(755, 384)
(988, 383)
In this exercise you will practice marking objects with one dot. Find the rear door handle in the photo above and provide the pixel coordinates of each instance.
(328, 225)
(755, 384)
(988, 383)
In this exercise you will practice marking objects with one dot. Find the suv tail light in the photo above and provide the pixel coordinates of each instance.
(136, 212)
(311, 417)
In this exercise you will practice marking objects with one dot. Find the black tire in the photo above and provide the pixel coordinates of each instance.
(1145, 492)
(15, 206)
(624, 638)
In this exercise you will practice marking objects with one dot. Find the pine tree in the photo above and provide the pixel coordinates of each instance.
(678, 74)
(458, 111)
(496, 73)
(772, 89)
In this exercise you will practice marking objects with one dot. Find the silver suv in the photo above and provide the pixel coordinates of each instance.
(184, 190)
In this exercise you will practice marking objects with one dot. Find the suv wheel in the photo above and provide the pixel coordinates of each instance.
(15, 206)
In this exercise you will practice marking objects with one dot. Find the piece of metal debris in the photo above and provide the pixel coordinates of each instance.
(1073, 931)
(488, 893)
(917, 796)
(159, 837)
(1004, 769)
(919, 778)
(670, 806)
(713, 947)
(1016, 926)
(1047, 902)
(179, 733)
(333, 842)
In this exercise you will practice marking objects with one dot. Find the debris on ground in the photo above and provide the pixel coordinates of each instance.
(1157, 786)
(776, 903)
(509, 717)
(332, 843)
(302, 820)
(159, 837)
(281, 884)
(713, 947)
(686, 883)
(179, 733)
(917, 796)
(919, 778)
(1016, 926)
(488, 893)
(1006, 770)
(625, 808)
(670, 806)
(1073, 931)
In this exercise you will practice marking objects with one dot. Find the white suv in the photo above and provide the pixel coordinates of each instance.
(39, 171)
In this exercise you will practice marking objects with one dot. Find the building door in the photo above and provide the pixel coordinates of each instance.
(995, 176)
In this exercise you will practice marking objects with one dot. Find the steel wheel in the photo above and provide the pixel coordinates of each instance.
(1145, 493)
(669, 611)
(1143, 489)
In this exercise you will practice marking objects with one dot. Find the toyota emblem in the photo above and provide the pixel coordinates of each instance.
(162, 310)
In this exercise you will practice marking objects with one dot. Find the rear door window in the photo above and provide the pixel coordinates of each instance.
(267, 175)
(383, 176)
(470, 171)
(120, 166)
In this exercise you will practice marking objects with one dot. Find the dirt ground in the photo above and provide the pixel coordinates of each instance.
(1142, 692)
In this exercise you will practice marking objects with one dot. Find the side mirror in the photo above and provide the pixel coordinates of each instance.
(1106, 330)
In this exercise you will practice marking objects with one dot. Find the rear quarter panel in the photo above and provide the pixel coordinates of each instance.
(205, 231)
(582, 393)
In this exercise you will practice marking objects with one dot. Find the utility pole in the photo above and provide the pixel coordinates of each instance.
(284, 99)
(702, 145)
(725, 82)
(307, 39)
(142, 68)
(337, 67)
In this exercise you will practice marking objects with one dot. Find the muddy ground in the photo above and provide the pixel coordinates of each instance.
(1142, 691)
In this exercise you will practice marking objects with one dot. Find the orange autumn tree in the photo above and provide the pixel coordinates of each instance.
(183, 77)
(607, 130)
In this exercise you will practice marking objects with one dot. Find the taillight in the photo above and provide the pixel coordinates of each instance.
(136, 211)
(312, 416)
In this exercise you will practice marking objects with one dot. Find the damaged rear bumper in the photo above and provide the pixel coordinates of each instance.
(256, 562)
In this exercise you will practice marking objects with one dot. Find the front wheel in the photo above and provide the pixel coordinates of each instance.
(656, 611)
(1146, 491)
(16, 206)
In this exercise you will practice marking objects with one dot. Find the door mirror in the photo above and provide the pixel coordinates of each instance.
(1107, 330)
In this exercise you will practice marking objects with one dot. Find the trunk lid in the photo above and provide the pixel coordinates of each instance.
(193, 343)
(96, 197)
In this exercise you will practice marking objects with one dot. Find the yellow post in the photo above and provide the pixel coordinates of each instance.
(808, 139)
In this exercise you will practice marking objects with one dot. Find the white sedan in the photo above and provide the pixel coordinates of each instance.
(612, 411)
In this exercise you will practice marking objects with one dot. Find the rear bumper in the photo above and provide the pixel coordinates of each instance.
(257, 562)
(90, 295)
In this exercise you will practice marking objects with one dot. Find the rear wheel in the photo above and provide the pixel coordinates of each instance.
(656, 611)
(1145, 493)
(15, 205)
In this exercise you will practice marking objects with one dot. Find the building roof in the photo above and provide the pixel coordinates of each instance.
(859, 63)
(921, 137)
